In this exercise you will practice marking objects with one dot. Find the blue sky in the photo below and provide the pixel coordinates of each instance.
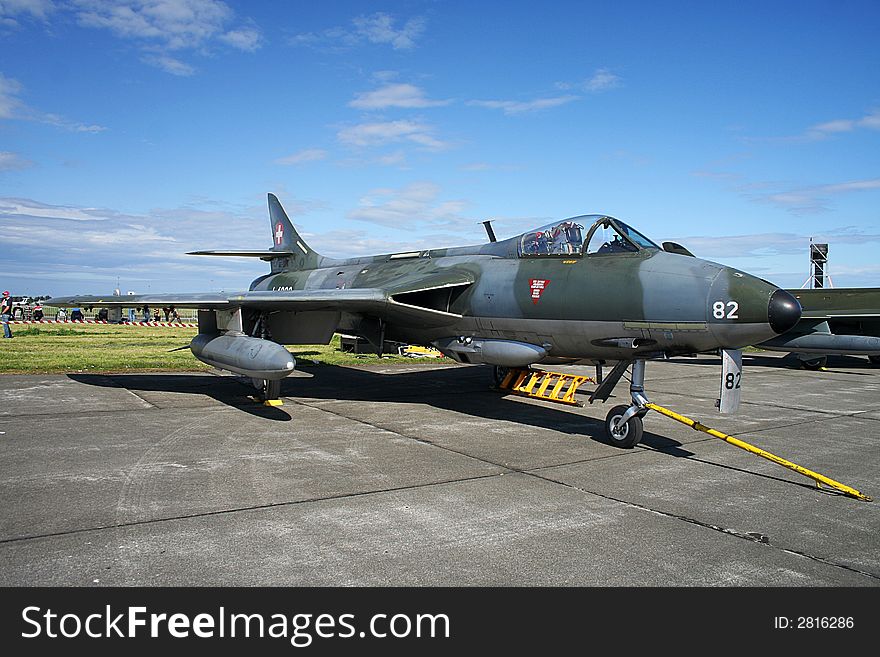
(134, 131)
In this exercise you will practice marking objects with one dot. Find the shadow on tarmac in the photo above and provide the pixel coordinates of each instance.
(226, 390)
(464, 390)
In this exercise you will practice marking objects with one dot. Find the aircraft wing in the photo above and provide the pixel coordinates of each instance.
(419, 299)
(354, 300)
(358, 300)
(212, 300)
(415, 299)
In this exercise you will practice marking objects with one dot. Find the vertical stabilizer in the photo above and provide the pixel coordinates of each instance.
(285, 238)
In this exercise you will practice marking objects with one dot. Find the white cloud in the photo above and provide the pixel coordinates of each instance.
(176, 24)
(82, 246)
(397, 158)
(808, 200)
(300, 157)
(35, 8)
(392, 159)
(164, 26)
(486, 166)
(769, 244)
(248, 39)
(414, 205)
(13, 161)
(12, 107)
(379, 28)
(394, 95)
(823, 130)
(385, 132)
(827, 129)
(170, 65)
(601, 80)
(67, 124)
(520, 107)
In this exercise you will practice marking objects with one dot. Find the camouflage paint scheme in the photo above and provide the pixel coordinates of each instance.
(643, 302)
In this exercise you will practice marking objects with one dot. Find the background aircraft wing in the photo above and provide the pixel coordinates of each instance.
(839, 303)
(833, 321)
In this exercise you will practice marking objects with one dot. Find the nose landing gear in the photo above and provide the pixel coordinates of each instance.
(624, 433)
(623, 424)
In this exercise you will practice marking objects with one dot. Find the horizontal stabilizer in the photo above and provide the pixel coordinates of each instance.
(264, 255)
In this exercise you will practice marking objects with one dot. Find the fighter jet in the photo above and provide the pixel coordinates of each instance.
(585, 289)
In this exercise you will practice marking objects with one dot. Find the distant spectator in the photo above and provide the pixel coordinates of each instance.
(6, 313)
(76, 314)
(61, 315)
(103, 315)
(146, 313)
(38, 312)
(156, 316)
(167, 312)
(175, 316)
(131, 315)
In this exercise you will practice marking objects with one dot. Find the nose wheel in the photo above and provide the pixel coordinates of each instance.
(623, 434)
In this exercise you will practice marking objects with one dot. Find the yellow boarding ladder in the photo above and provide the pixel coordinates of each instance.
(540, 384)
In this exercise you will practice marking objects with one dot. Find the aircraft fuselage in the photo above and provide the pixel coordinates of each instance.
(650, 301)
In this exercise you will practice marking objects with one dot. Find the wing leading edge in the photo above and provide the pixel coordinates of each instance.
(415, 302)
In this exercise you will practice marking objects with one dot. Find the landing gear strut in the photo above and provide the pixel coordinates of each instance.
(269, 391)
(623, 424)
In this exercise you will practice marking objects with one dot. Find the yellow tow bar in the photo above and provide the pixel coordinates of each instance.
(819, 479)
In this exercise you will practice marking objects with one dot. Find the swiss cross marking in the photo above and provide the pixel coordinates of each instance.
(537, 287)
(279, 232)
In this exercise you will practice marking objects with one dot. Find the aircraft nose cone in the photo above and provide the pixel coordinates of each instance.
(784, 311)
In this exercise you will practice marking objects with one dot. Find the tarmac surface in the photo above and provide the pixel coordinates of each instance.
(423, 476)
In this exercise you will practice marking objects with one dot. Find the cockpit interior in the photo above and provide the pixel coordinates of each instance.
(606, 235)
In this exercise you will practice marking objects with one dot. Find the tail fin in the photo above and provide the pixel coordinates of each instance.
(285, 238)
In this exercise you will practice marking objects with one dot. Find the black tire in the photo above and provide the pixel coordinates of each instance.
(499, 372)
(875, 360)
(271, 389)
(815, 364)
(632, 431)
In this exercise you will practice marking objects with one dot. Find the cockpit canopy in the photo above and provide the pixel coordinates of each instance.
(566, 238)
(563, 238)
